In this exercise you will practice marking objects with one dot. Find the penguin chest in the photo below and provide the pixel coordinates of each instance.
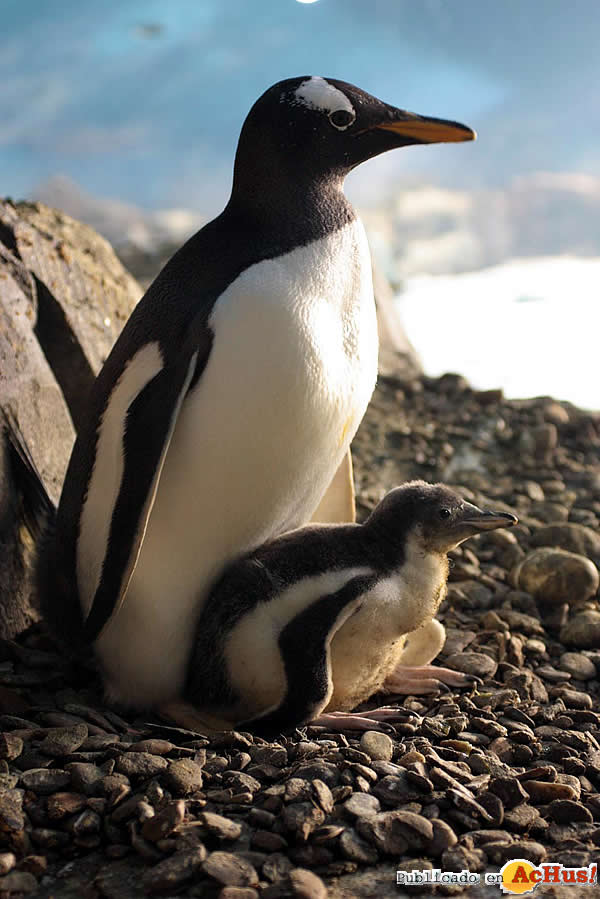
(292, 369)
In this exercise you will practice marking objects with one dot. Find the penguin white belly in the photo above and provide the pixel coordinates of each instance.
(257, 442)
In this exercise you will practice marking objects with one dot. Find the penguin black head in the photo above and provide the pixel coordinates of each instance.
(313, 128)
(436, 514)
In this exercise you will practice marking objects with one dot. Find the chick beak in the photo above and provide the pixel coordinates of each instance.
(479, 520)
(419, 129)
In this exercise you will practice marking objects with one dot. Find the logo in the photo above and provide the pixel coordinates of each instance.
(521, 876)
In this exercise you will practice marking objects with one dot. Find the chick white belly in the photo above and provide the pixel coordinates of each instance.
(256, 445)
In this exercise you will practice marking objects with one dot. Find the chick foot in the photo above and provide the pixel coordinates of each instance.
(408, 679)
(369, 720)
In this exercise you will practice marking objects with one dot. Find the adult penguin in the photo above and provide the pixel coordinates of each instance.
(229, 401)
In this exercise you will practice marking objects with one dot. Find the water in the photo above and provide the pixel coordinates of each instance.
(530, 326)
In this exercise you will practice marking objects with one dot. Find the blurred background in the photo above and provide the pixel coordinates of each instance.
(126, 114)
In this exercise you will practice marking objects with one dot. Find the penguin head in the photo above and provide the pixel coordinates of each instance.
(439, 517)
(320, 127)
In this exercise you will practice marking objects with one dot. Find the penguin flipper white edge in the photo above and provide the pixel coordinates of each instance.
(149, 425)
(338, 503)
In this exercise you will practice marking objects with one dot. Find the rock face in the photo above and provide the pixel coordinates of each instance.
(64, 298)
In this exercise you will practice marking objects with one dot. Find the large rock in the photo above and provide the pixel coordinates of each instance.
(84, 295)
(576, 538)
(556, 576)
(64, 297)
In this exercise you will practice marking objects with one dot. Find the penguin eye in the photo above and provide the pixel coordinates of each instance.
(444, 513)
(341, 118)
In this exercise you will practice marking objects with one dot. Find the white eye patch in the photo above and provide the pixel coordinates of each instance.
(316, 93)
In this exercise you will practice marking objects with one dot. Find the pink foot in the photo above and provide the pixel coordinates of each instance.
(368, 720)
(425, 679)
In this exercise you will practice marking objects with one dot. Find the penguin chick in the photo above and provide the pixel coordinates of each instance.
(316, 621)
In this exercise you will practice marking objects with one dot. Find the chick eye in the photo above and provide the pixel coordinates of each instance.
(341, 118)
(444, 513)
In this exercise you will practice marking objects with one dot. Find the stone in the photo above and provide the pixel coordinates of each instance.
(394, 832)
(556, 575)
(567, 811)
(174, 872)
(62, 804)
(576, 538)
(7, 862)
(509, 790)
(11, 746)
(12, 818)
(443, 838)
(85, 777)
(164, 822)
(302, 819)
(476, 663)
(63, 740)
(154, 746)
(183, 777)
(219, 826)
(230, 869)
(140, 765)
(362, 805)
(44, 780)
(18, 882)
(377, 745)
(356, 849)
(578, 665)
(319, 770)
(306, 885)
(583, 630)
(541, 792)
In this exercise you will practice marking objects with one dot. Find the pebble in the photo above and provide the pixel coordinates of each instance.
(7, 862)
(508, 790)
(356, 849)
(11, 746)
(164, 822)
(542, 792)
(175, 871)
(362, 805)
(45, 781)
(18, 882)
(62, 804)
(566, 811)
(85, 777)
(556, 575)
(12, 819)
(219, 826)
(578, 665)
(476, 663)
(583, 630)
(443, 838)
(140, 765)
(230, 869)
(377, 745)
(61, 741)
(182, 777)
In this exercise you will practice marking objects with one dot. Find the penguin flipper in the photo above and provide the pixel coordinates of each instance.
(305, 644)
(338, 504)
(150, 423)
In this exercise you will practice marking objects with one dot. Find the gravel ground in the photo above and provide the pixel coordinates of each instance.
(93, 804)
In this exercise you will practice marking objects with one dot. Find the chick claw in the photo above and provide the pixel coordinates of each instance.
(421, 679)
(369, 720)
